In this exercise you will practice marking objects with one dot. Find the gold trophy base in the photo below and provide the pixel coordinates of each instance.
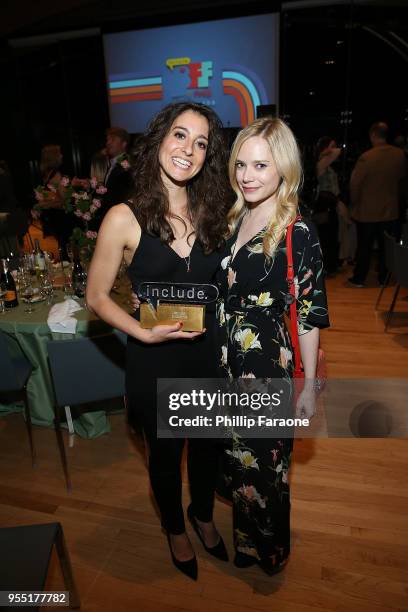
(191, 315)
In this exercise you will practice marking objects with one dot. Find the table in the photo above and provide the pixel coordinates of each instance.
(29, 334)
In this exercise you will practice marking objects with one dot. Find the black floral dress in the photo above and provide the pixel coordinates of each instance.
(256, 344)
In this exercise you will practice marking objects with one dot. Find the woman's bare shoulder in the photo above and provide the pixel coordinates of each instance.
(121, 227)
(121, 215)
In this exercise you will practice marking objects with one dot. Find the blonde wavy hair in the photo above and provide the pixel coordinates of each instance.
(286, 155)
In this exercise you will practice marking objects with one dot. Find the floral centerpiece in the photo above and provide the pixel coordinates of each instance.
(45, 196)
(81, 197)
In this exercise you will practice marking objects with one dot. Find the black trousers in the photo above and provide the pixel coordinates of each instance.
(367, 233)
(165, 457)
(328, 238)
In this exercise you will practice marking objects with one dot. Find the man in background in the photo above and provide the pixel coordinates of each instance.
(375, 197)
(118, 178)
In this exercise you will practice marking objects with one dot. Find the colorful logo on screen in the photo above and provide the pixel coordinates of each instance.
(246, 89)
(243, 89)
(133, 89)
(199, 72)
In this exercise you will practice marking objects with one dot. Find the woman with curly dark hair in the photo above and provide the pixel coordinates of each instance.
(172, 231)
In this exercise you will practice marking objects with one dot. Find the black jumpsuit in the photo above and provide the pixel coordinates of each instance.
(156, 261)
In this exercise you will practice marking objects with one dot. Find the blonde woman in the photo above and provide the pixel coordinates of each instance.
(265, 173)
(99, 166)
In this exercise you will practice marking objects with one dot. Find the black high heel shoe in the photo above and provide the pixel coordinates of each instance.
(242, 561)
(219, 551)
(189, 568)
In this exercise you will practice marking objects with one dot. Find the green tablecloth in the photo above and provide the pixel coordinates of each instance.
(29, 334)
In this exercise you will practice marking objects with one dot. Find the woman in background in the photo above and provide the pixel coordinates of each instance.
(99, 166)
(325, 208)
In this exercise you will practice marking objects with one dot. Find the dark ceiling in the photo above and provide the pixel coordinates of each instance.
(26, 18)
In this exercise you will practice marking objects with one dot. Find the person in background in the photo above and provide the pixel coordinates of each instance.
(118, 179)
(55, 221)
(340, 247)
(99, 166)
(325, 206)
(375, 191)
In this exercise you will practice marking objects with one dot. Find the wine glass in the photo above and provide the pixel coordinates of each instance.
(68, 287)
(3, 291)
(20, 276)
(27, 291)
(70, 252)
(47, 288)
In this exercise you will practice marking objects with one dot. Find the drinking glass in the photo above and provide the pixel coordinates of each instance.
(47, 288)
(70, 252)
(20, 276)
(27, 291)
(3, 291)
(68, 288)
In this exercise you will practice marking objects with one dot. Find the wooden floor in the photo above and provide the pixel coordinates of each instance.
(349, 504)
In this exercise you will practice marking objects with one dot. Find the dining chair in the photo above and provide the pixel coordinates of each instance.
(389, 243)
(25, 558)
(401, 276)
(15, 374)
(85, 370)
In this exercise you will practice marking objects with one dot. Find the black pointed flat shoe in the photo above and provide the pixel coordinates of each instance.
(189, 568)
(219, 551)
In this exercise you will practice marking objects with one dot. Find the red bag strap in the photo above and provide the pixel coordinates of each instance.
(290, 276)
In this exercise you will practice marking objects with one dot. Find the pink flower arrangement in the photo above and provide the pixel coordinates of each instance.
(78, 198)
(81, 183)
(44, 195)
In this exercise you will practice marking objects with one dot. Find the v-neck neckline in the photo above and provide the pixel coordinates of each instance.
(234, 252)
(183, 256)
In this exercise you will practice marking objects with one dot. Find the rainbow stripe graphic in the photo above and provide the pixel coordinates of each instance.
(245, 93)
(129, 90)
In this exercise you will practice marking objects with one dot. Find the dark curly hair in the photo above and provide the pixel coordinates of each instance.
(209, 193)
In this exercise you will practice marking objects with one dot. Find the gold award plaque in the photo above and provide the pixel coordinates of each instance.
(191, 315)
